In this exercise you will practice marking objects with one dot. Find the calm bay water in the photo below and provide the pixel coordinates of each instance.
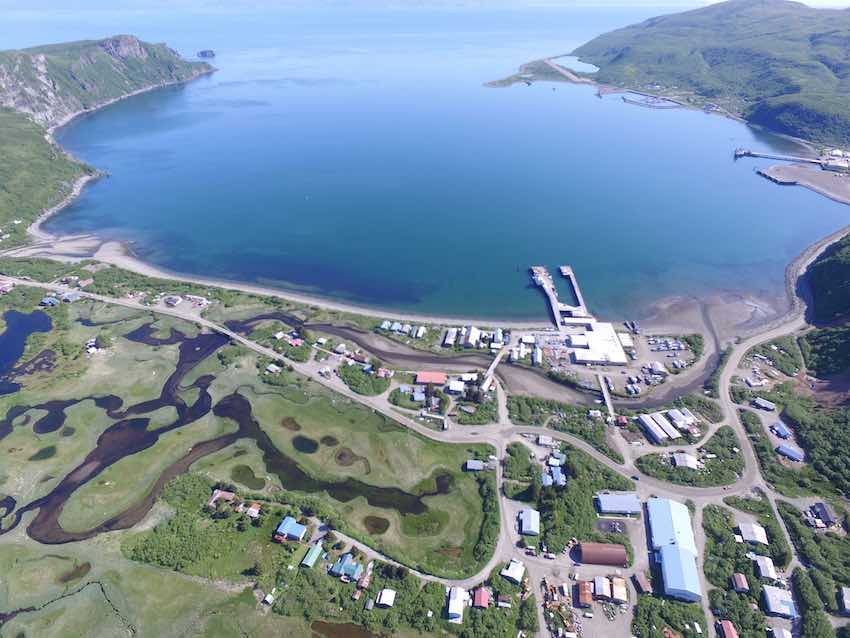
(357, 155)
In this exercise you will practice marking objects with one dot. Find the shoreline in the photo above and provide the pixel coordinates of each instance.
(120, 254)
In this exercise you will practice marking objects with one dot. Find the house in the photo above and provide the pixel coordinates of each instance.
(289, 530)
(558, 476)
(627, 504)
(386, 598)
(585, 594)
(602, 587)
(450, 338)
(764, 404)
(481, 598)
(529, 522)
(544, 440)
(273, 369)
(49, 302)
(311, 556)
(727, 629)
(781, 430)
(611, 554)
(513, 571)
(395, 327)
(753, 533)
(780, 632)
(821, 511)
(473, 465)
(739, 583)
(71, 296)
(432, 378)
(844, 600)
(172, 301)
(473, 336)
(420, 332)
(456, 386)
(346, 567)
(503, 601)
(455, 603)
(386, 324)
(765, 568)
(683, 459)
(790, 453)
(253, 510)
(419, 396)
(220, 495)
(778, 602)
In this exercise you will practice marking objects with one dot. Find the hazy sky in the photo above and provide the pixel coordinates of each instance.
(141, 5)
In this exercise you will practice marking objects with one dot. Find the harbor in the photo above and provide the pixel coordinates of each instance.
(542, 277)
(835, 160)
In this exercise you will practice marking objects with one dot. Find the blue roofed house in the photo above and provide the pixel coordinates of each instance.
(546, 479)
(778, 602)
(672, 539)
(790, 453)
(781, 430)
(558, 476)
(346, 567)
(474, 465)
(289, 530)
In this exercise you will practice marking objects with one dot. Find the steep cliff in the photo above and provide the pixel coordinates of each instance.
(50, 83)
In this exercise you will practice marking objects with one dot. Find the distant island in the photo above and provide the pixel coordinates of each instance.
(43, 88)
(778, 64)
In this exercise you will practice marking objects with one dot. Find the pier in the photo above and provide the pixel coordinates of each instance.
(543, 279)
(745, 152)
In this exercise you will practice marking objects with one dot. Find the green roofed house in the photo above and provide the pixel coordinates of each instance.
(312, 555)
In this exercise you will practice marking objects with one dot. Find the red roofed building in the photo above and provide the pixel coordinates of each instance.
(727, 629)
(434, 378)
(481, 598)
(585, 594)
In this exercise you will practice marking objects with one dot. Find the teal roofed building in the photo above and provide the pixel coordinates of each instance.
(346, 566)
(312, 556)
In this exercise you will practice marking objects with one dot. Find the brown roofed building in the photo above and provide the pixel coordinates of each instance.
(603, 554)
(642, 583)
(727, 629)
(739, 583)
(585, 593)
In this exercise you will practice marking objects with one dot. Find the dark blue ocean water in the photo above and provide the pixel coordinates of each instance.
(355, 154)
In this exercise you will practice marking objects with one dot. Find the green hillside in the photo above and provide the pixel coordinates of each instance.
(776, 63)
(829, 281)
(48, 83)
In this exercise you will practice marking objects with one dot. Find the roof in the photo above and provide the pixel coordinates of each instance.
(291, 529)
(642, 583)
(679, 571)
(790, 452)
(727, 629)
(513, 571)
(823, 512)
(457, 386)
(739, 582)
(781, 632)
(585, 593)
(778, 602)
(683, 459)
(765, 567)
(386, 598)
(474, 465)
(781, 430)
(529, 522)
(603, 554)
(558, 476)
(481, 598)
(436, 378)
(619, 590)
(844, 598)
(346, 566)
(670, 523)
(456, 602)
(753, 533)
(312, 555)
(627, 503)
(602, 586)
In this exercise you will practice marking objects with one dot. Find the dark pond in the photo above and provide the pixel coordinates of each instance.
(305, 444)
(340, 630)
(19, 327)
(376, 525)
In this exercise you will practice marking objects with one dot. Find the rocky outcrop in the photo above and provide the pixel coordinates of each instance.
(52, 83)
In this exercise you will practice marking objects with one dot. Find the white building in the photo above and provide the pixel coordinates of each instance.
(683, 459)
(455, 604)
(513, 571)
(386, 598)
(765, 568)
(753, 533)
(529, 522)
(450, 338)
(603, 346)
(473, 336)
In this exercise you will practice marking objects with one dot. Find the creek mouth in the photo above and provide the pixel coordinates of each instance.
(130, 435)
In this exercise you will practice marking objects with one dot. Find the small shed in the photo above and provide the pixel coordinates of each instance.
(386, 598)
(481, 598)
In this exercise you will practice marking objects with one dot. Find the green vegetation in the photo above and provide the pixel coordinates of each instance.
(784, 353)
(815, 622)
(362, 382)
(829, 282)
(777, 64)
(724, 469)
(652, 615)
(486, 411)
(35, 175)
(564, 418)
(723, 556)
(517, 463)
(695, 342)
(778, 549)
(741, 610)
(568, 512)
(822, 431)
(827, 554)
(404, 400)
(712, 384)
(827, 350)
(701, 405)
(794, 482)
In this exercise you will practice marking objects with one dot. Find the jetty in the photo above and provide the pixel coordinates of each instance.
(745, 152)
(543, 278)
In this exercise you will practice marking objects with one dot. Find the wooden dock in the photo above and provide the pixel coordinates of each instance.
(543, 279)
